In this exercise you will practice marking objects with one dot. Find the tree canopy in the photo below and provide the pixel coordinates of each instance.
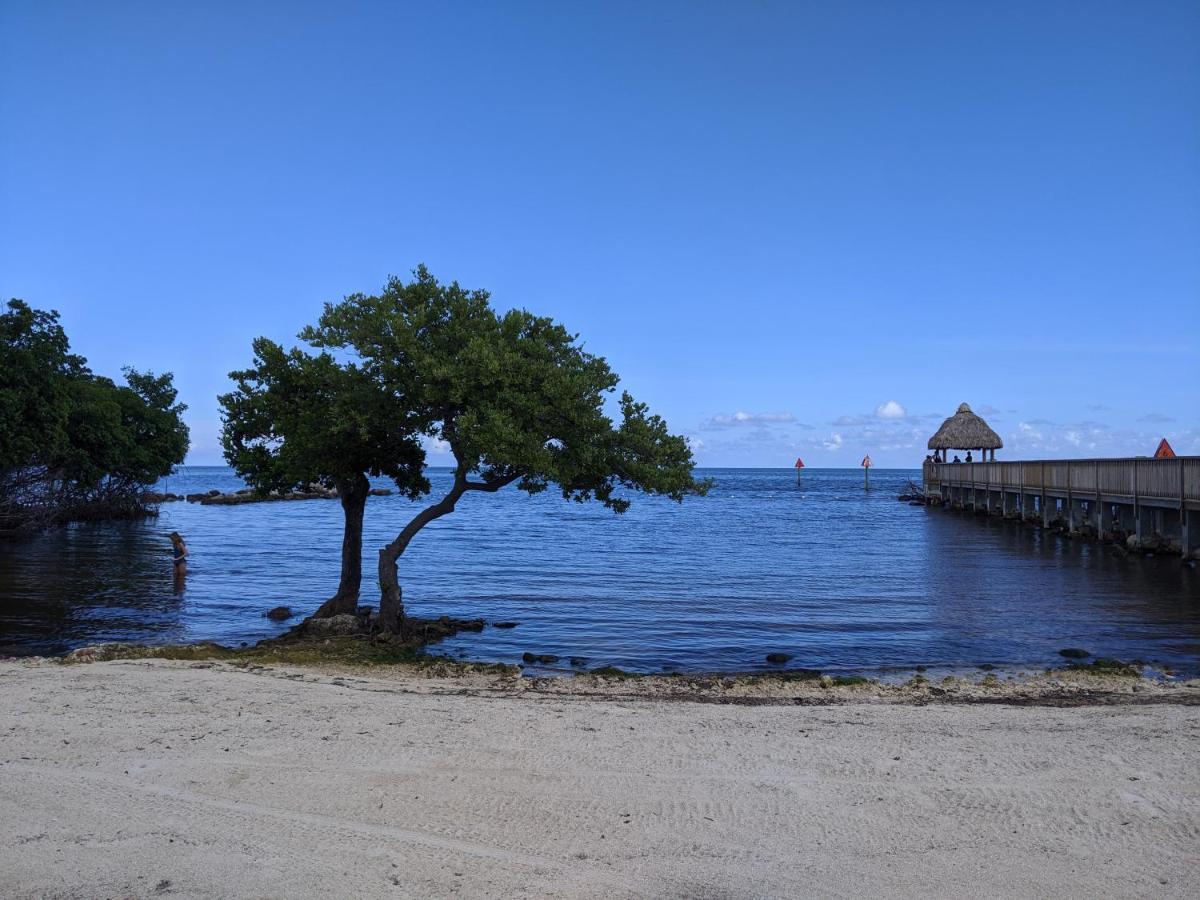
(295, 419)
(74, 444)
(514, 396)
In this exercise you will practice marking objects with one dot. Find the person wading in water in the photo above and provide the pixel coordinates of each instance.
(178, 555)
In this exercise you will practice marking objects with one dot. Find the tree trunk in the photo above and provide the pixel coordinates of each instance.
(391, 604)
(353, 495)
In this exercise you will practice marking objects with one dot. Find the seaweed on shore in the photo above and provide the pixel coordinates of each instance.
(299, 647)
(613, 672)
(1107, 666)
(791, 676)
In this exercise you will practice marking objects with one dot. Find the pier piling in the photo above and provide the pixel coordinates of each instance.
(1151, 503)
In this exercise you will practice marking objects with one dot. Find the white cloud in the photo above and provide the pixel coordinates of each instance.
(833, 442)
(741, 418)
(890, 410)
(1039, 437)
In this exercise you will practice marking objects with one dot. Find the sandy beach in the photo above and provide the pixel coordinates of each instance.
(153, 778)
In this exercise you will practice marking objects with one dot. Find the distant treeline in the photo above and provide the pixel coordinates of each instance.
(75, 445)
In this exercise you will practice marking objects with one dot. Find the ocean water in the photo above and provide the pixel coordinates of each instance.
(843, 578)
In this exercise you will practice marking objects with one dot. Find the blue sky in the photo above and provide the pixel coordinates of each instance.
(793, 228)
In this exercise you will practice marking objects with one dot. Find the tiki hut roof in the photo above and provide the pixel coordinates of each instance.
(965, 431)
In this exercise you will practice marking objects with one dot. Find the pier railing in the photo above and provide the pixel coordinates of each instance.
(1174, 482)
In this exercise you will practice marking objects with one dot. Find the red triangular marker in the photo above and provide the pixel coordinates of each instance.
(1164, 450)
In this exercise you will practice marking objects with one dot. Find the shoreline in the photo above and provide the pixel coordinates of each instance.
(206, 778)
(350, 641)
(1105, 682)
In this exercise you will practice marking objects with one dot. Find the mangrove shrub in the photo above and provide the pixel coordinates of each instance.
(73, 444)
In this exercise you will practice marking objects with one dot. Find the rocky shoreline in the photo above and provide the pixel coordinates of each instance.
(249, 495)
(345, 644)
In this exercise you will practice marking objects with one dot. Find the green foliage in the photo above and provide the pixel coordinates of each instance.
(515, 396)
(74, 444)
(295, 419)
(130, 433)
(37, 371)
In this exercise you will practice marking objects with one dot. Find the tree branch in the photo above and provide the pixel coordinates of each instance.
(491, 486)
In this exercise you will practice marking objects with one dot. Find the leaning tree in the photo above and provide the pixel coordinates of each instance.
(297, 419)
(514, 396)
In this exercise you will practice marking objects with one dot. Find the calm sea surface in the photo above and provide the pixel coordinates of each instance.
(842, 578)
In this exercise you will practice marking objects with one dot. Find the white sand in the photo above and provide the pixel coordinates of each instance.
(155, 779)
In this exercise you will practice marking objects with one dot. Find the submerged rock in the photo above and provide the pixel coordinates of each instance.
(505, 624)
(1074, 653)
(579, 661)
(778, 659)
(279, 613)
(542, 658)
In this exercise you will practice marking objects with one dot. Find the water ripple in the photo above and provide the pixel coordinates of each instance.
(839, 577)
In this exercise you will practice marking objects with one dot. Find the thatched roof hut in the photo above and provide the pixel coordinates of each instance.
(965, 431)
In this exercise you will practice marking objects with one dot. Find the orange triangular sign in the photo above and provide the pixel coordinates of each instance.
(1164, 450)
(799, 463)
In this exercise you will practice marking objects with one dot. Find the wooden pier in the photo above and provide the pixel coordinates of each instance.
(1145, 503)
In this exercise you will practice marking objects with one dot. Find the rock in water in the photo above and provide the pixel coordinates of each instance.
(1074, 653)
(279, 614)
(778, 659)
(505, 624)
